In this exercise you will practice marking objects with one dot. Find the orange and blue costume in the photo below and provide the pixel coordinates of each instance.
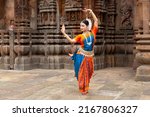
(83, 58)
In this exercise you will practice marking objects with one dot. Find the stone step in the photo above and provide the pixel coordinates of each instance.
(143, 73)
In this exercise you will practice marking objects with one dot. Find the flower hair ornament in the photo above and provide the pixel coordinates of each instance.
(88, 23)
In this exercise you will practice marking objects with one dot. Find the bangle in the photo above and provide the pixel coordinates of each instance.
(90, 11)
(65, 36)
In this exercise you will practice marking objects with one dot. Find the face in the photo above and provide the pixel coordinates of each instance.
(83, 27)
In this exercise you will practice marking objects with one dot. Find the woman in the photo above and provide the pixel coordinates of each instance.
(83, 57)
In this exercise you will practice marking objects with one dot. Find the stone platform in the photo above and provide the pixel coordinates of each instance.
(106, 84)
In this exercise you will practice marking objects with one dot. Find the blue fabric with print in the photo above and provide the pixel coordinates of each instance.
(78, 58)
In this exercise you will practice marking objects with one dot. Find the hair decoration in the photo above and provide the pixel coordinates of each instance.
(90, 24)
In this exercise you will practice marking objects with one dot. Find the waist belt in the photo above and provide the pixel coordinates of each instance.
(86, 53)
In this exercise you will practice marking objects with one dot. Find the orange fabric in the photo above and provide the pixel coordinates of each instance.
(79, 38)
(94, 30)
(85, 74)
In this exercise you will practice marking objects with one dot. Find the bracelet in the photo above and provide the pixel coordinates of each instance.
(65, 36)
(90, 11)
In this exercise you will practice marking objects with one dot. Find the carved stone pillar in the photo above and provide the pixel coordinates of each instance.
(142, 57)
(136, 16)
(22, 31)
(146, 16)
(33, 13)
(6, 47)
(50, 42)
(110, 33)
(99, 8)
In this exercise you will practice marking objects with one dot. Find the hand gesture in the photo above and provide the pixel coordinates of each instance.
(87, 10)
(63, 28)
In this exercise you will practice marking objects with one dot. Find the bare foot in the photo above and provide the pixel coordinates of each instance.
(84, 93)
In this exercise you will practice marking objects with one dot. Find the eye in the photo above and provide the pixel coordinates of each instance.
(82, 25)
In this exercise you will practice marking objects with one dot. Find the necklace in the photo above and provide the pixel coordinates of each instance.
(90, 42)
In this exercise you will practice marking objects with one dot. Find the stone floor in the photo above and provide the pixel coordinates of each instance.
(106, 84)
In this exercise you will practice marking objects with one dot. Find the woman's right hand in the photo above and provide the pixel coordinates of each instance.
(63, 28)
(70, 54)
(87, 10)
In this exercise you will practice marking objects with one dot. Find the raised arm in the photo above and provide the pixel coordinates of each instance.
(66, 35)
(93, 15)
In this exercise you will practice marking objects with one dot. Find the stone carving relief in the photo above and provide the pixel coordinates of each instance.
(22, 9)
(73, 10)
(126, 12)
(42, 47)
(32, 6)
(73, 3)
(46, 2)
(110, 20)
(2, 23)
(47, 13)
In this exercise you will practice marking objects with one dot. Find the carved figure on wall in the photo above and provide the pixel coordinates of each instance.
(3, 23)
(110, 20)
(126, 14)
(22, 9)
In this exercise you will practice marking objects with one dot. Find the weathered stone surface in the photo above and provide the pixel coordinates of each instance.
(37, 34)
(142, 57)
(143, 73)
(106, 84)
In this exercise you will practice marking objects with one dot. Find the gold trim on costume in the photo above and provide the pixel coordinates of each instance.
(86, 53)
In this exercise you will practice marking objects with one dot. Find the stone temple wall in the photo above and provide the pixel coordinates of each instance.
(124, 34)
(30, 37)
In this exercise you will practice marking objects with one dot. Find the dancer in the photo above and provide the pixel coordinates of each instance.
(83, 57)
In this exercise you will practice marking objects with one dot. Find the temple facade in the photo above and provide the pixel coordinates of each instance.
(30, 34)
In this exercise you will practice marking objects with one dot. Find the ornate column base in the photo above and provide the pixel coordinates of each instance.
(6, 63)
(142, 57)
(143, 73)
(22, 63)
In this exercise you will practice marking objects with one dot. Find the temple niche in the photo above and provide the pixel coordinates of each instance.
(30, 34)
